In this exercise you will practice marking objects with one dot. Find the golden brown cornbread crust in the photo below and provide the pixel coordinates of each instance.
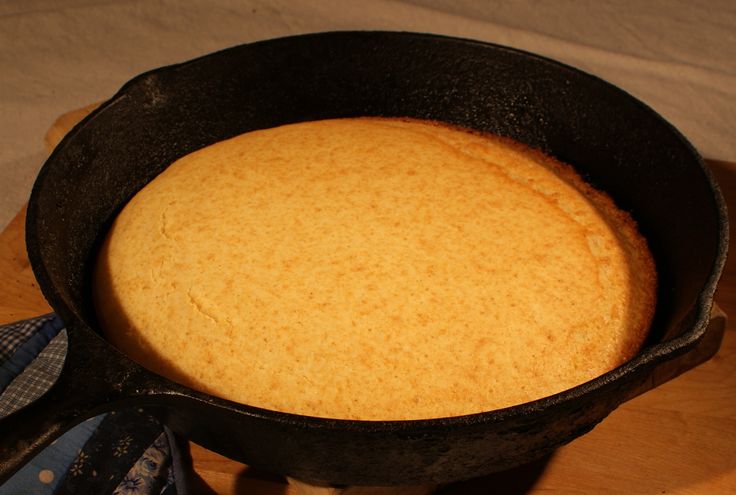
(374, 269)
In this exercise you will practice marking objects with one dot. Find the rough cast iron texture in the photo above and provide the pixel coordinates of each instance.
(614, 141)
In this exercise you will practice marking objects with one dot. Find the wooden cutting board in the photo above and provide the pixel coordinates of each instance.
(679, 438)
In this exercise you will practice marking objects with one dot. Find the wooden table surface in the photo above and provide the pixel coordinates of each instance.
(679, 438)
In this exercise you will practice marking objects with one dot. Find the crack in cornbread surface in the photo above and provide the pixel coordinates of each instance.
(374, 269)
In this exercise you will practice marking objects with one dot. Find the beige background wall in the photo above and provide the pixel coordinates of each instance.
(677, 56)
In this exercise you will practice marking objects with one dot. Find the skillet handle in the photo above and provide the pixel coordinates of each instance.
(81, 391)
(705, 349)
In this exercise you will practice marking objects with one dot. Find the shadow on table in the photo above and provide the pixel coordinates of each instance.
(725, 175)
(517, 481)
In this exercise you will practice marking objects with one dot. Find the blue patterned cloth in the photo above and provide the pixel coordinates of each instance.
(123, 452)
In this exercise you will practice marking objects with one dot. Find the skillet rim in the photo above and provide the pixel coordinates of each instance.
(649, 356)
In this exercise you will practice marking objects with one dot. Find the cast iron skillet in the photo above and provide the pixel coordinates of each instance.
(613, 140)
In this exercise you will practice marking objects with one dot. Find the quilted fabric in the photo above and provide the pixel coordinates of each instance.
(122, 452)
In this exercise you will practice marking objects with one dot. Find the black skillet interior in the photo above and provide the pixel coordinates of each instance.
(614, 141)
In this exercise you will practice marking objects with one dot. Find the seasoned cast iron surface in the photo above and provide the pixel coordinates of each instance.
(614, 141)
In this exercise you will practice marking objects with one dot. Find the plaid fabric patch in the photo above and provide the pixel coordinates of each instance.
(28, 351)
(15, 334)
(32, 355)
(36, 378)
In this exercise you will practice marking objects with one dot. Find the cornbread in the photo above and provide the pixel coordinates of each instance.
(374, 269)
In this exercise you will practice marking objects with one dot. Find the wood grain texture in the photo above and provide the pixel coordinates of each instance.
(679, 438)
